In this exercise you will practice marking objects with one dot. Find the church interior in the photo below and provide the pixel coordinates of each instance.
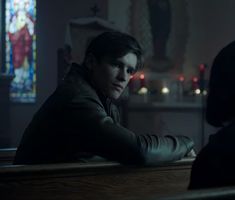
(168, 96)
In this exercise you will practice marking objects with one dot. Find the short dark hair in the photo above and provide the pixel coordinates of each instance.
(114, 44)
(221, 95)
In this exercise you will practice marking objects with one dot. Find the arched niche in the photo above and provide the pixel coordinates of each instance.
(161, 26)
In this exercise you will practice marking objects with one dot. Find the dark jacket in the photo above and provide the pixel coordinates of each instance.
(215, 164)
(76, 121)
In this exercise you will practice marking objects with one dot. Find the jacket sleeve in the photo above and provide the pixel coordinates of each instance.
(101, 136)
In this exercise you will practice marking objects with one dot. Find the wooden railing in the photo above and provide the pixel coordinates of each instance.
(222, 193)
(93, 181)
(101, 181)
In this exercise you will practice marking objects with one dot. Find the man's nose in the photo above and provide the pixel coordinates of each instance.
(123, 74)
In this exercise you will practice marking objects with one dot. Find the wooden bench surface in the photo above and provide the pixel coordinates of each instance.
(93, 181)
(7, 156)
(222, 193)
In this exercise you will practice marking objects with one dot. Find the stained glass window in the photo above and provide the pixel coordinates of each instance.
(20, 42)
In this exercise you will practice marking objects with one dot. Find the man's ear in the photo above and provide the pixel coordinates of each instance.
(91, 61)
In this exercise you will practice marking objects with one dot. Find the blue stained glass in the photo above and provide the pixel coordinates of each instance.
(20, 53)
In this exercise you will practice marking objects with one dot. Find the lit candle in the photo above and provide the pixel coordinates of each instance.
(202, 68)
(180, 87)
(165, 90)
(142, 80)
(181, 78)
(195, 84)
(197, 91)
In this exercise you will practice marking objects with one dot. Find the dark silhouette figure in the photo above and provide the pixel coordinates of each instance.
(215, 164)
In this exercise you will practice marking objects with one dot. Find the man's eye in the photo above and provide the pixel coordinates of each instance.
(131, 70)
(116, 65)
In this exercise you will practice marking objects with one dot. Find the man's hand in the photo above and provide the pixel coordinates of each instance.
(192, 154)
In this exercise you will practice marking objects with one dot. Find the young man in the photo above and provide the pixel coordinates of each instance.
(79, 119)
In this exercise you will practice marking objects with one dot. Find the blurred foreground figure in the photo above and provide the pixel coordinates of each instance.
(215, 164)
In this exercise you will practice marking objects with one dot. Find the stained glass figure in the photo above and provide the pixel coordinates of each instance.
(20, 41)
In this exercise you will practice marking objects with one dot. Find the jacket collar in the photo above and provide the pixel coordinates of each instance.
(85, 74)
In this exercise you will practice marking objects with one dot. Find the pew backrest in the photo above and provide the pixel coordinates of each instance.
(221, 193)
(93, 181)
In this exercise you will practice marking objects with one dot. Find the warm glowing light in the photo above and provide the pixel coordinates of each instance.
(131, 77)
(141, 76)
(195, 79)
(204, 92)
(197, 91)
(143, 90)
(181, 78)
(165, 90)
(202, 67)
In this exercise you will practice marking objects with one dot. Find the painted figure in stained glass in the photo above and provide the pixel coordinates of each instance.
(20, 38)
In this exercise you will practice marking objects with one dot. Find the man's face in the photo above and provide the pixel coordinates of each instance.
(111, 76)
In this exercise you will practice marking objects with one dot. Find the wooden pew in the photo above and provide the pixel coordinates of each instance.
(222, 193)
(93, 181)
(7, 156)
